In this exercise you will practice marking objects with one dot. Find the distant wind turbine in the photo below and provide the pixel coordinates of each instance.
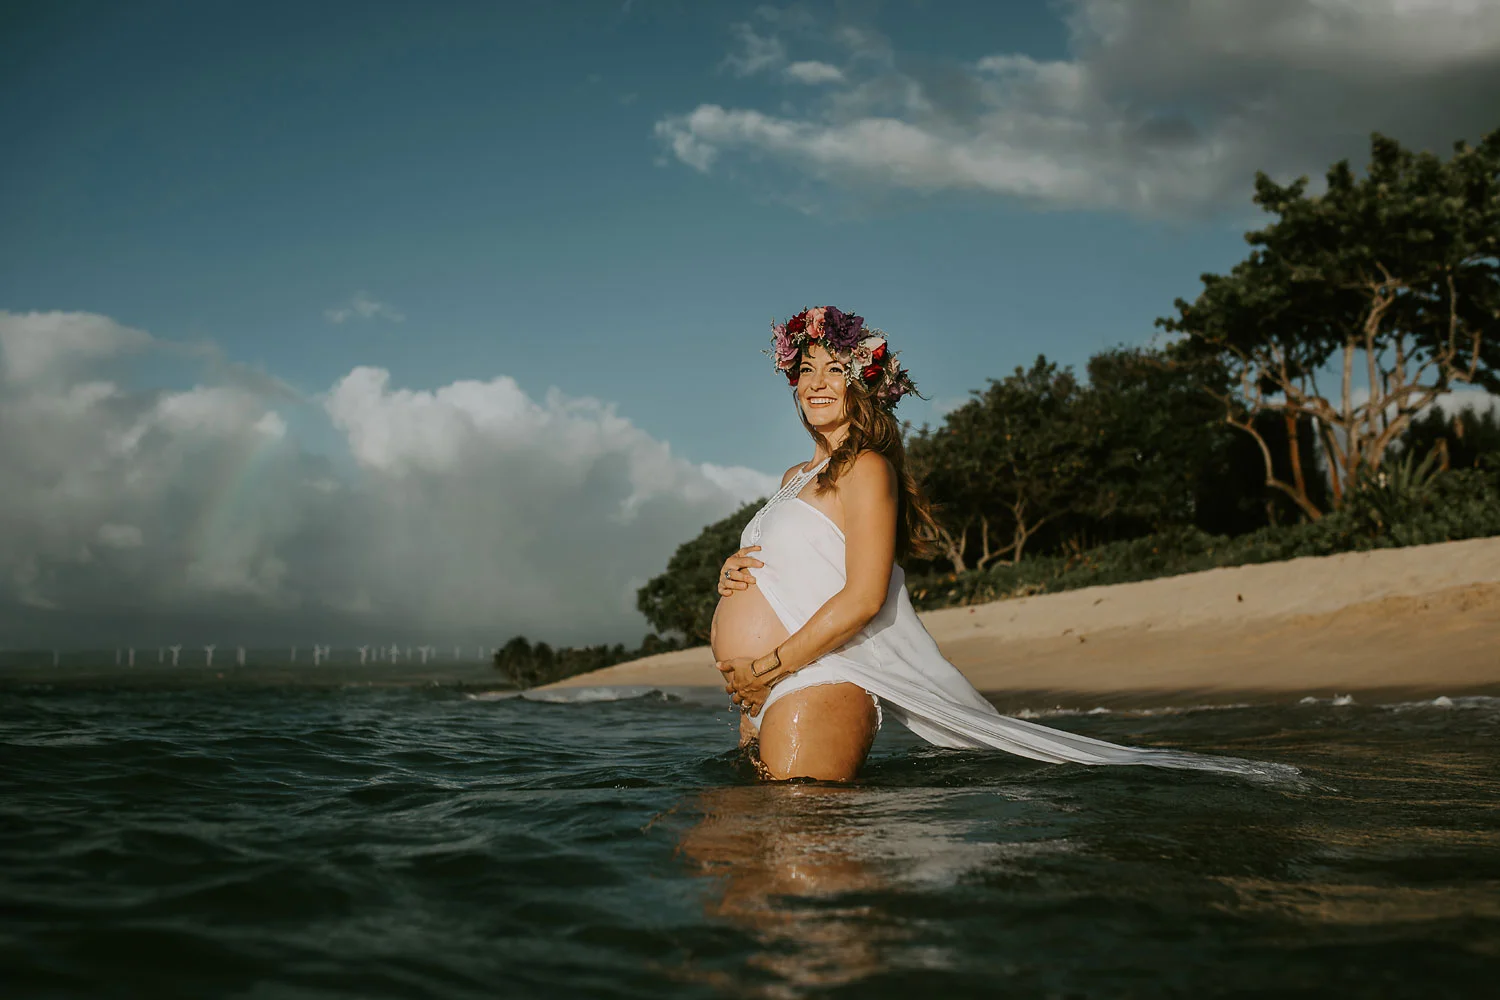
(131, 661)
(175, 650)
(239, 655)
(209, 651)
(364, 651)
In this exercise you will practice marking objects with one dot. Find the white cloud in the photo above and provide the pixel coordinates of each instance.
(362, 306)
(740, 482)
(754, 53)
(474, 511)
(814, 73)
(1162, 107)
(1454, 403)
(38, 346)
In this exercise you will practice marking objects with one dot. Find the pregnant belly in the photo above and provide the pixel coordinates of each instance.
(745, 625)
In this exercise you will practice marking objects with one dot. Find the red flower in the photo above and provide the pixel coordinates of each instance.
(797, 323)
(878, 353)
(871, 372)
(792, 376)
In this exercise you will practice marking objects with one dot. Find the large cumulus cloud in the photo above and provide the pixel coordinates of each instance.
(1162, 107)
(465, 514)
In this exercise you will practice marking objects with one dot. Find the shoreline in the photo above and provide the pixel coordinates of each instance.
(1407, 622)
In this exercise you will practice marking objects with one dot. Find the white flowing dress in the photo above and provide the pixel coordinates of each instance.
(898, 662)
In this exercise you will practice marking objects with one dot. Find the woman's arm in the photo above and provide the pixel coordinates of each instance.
(868, 495)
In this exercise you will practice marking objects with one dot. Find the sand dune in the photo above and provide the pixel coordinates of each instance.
(1421, 619)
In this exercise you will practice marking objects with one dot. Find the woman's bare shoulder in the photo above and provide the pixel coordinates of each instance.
(786, 476)
(870, 471)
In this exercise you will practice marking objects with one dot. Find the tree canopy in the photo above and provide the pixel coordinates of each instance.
(1387, 286)
(682, 599)
(1007, 462)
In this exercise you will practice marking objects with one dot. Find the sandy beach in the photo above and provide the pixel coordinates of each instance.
(1420, 620)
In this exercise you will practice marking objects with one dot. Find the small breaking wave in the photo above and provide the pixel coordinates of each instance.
(606, 694)
(1060, 713)
(1442, 701)
(592, 694)
(1337, 701)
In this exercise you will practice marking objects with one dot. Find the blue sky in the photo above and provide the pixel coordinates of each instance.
(611, 201)
(230, 172)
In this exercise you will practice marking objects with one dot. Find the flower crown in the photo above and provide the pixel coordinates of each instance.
(862, 351)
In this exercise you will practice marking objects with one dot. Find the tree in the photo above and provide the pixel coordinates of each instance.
(1391, 282)
(1157, 434)
(944, 462)
(1007, 462)
(527, 665)
(683, 598)
(1464, 438)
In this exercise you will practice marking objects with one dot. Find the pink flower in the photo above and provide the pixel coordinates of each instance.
(786, 349)
(815, 318)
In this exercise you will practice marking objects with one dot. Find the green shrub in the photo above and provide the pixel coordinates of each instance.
(1406, 509)
(525, 665)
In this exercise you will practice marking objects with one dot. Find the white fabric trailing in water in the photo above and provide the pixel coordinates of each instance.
(896, 659)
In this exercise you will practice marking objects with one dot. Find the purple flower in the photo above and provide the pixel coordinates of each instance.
(845, 330)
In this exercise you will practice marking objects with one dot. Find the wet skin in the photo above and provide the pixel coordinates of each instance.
(822, 731)
(819, 732)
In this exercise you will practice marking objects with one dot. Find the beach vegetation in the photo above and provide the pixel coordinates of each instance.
(528, 665)
(1007, 462)
(1462, 438)
(1415, 507)
(1356, 309)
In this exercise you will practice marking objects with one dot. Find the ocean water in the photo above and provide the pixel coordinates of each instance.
(301, 841)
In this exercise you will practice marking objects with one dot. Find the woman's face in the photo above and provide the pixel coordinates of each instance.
(821, 388)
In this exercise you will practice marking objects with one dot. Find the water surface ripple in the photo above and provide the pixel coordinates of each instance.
(415, 842)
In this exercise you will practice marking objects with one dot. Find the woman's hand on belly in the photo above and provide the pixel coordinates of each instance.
(746, 689)
(745, 625)
(735, 574)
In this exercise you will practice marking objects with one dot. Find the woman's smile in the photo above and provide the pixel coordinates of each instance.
(821, 388)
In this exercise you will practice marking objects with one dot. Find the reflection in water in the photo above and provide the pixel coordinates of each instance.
(811, 871)
(1330, 903)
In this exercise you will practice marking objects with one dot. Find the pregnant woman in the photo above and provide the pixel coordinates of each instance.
(814, 632)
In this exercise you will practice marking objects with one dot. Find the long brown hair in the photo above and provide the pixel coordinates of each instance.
(874, 428)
